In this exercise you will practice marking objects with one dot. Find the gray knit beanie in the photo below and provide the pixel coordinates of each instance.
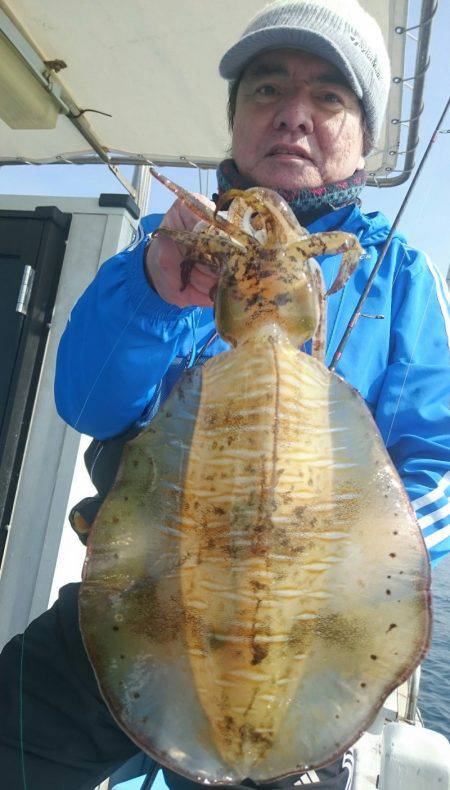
(339, 31)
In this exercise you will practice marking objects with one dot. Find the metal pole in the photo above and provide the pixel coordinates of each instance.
(413, 695)
(141, 181)
(428, 11)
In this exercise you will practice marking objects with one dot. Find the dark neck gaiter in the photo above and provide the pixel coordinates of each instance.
(307, 203)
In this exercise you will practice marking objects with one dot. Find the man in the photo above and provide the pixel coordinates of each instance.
(308, 88)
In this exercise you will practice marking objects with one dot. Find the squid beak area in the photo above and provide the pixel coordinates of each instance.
(226, 198)
(260, 201)
(204, 212)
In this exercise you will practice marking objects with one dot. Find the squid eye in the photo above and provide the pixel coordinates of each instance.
(253, 224)
(256, 221)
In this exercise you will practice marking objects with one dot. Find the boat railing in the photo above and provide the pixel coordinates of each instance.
(411, 711)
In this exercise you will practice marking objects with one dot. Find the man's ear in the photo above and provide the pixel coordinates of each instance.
(361, 163)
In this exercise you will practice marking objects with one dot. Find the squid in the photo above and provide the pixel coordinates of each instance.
(256, 583)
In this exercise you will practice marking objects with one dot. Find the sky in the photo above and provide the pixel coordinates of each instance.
(425, 221)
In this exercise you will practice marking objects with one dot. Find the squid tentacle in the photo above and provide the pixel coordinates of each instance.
(332, 243)
(210, 250)
(315, 276)
(204, 212)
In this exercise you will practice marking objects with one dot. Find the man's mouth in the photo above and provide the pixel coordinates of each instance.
(289, 151)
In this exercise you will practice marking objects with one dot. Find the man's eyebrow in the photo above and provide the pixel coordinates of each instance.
(265, 70)
(277, 69)
(333, 78)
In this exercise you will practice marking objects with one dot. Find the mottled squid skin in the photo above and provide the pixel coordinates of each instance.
(256, 582)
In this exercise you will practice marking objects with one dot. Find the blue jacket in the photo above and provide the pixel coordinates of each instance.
(124, 348)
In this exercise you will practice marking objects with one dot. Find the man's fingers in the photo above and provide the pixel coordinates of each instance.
(164, 258)
(198, 298)
(201, 281)
(188, 219)
(190, 296)
(206, 269)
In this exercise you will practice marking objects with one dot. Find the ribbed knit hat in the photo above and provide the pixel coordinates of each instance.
(340, 31)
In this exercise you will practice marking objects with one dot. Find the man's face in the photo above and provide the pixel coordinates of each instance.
(296, 123)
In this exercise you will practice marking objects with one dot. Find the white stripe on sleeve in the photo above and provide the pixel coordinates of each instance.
(432, 496)
(436, 515)
(437, 537)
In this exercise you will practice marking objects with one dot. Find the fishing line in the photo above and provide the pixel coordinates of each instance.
(408, 367)
(114, 346)
(433, 286)
(422, 206)
(22, 752)
(419, 331)
(336, 357)
(195, 320)
(357, 312)
(399, 268)
(340, 306)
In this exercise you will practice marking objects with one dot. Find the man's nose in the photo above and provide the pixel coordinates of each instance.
(293, 113)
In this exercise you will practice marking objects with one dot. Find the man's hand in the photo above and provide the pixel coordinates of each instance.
(164, 258)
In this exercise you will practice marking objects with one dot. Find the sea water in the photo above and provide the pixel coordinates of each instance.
(434, 696)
